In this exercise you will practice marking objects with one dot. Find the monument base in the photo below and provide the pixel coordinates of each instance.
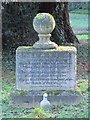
(33, 99)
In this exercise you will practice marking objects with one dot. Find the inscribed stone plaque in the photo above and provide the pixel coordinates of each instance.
(45, 69)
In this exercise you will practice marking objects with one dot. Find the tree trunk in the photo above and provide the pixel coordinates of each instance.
(63, 32)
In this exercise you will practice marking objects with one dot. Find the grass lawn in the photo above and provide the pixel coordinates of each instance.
(79, 18)
(79, 21)
(82, 37)
(62, 111)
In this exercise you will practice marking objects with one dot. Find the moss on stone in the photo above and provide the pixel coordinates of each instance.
(58, 92)
(40, 16)
(49, 92)
(21, 93)
(66, 48)
(25, 48)
(51, 19)
(55, 92)
(30, 48)
(61, 48)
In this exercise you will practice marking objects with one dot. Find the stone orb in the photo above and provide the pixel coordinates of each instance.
(44, 23)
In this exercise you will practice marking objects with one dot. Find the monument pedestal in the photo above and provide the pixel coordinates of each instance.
(33, 99)
(52, 71)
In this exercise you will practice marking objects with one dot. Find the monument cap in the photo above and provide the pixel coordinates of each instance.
(44, 24)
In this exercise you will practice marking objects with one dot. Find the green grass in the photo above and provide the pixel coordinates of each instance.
(80, 11)
(60, 111)
(82, 37)
(78, 19)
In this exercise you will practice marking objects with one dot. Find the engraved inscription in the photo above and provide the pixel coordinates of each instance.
(54, 69)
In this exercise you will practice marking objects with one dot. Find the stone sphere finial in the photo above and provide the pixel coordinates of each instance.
(44, 24)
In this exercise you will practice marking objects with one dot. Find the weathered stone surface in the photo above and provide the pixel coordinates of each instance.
(44, 42)
(45, 69)
(33, 99)
(44, 24)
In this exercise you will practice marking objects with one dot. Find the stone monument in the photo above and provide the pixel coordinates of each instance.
(45, 67)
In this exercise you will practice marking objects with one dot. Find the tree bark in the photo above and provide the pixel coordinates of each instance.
(63, 32)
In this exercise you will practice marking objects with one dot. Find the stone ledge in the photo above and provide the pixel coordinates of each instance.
(59, 48)
(33, 99)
